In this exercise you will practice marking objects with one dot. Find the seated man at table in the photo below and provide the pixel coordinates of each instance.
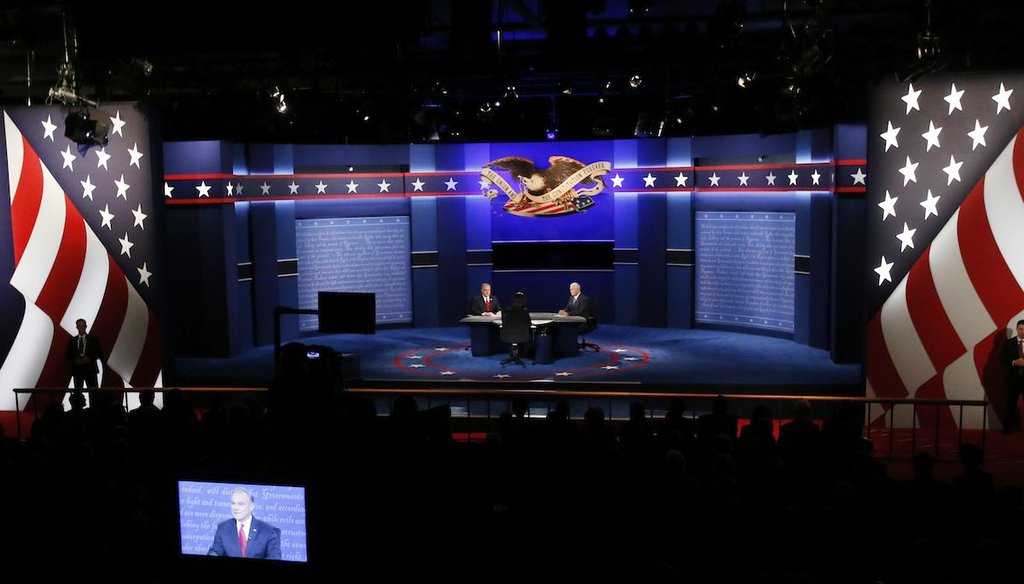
(484, 304)
(578, 305)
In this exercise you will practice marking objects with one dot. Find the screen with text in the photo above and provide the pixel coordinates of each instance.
(273, 520)
(744, 264)
(355, 254)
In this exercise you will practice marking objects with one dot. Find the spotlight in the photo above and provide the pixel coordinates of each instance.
(281, 106)
(82, 129)
(636, 81)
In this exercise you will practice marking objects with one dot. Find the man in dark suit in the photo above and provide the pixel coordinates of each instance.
(244, 536)
(484, 304)
(1012, 355)
(83, 350)
(578, 305)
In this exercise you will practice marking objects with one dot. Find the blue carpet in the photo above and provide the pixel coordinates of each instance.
(668, 358)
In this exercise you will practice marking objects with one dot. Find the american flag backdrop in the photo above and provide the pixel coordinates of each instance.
(78, 239)
(946, 241)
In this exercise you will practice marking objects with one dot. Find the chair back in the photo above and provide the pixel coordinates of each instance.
(515, 325)
(591, 323)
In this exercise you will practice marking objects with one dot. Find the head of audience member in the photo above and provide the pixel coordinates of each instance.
(519, 301)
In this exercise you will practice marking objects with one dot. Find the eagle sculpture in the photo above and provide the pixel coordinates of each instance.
(538, 181)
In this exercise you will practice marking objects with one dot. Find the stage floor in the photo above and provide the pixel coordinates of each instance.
(653, 359)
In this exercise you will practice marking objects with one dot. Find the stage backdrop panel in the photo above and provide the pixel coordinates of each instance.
(745, 270)
(364, 254)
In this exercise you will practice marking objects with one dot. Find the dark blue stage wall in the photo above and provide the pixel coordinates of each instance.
(617, 216)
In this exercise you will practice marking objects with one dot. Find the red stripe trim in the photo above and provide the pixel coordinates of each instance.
(991, 278)
(28, 198)
(56, 371)
(199, 176)
(1018, 162)
(148, 367)
(990, 370)
(66, 270)
(933, 326)
(882, 375)
(112, 308)
(852, 162)
(931, 416)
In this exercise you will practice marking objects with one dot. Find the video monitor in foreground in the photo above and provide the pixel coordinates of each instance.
(237, 520)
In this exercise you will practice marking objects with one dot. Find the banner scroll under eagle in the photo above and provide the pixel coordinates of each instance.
(545, 192)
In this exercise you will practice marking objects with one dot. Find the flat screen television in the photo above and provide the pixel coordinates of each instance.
(553, 255)
(347, 312)
(274, 514)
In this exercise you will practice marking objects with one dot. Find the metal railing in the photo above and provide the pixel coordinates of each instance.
(469, 405)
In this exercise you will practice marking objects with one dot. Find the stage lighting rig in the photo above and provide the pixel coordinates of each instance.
(67, 96)
(82, 129)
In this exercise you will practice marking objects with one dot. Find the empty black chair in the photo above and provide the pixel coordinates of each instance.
(515, 330)
(589, 326)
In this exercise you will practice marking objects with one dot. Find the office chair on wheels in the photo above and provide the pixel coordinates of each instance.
(587, 327)
(515, 330)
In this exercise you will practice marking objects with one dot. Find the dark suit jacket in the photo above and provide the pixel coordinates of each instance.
(264, 541)
(93, 351)
(1008, 353)
(477, 307)
(579, 308)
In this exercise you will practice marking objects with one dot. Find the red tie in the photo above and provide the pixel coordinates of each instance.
(241, 539)
(487, 304)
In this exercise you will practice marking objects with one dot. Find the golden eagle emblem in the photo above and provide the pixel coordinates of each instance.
(566, 186)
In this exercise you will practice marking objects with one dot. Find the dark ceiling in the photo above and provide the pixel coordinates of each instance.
(423, 70)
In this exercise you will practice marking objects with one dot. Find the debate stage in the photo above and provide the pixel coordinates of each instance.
(630, 359)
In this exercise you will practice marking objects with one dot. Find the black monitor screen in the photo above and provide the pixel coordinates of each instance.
(347, 312)
(273, 519)
(553, 255)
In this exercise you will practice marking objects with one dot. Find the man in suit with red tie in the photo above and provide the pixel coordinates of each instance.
(83, 350)
(244, 536)
(484, 304)
(1012, 355)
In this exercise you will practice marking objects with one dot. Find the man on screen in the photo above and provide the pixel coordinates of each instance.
(578, 305)
(244, 536)
(484, 304)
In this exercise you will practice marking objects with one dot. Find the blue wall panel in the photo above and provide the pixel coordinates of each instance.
(287, 285)
(263, 220)
(679, 279)
(425, 278)
(821, 244)
(201, 157)
(239, 301)
(651, 255)
(549, 290)
(626, 243)
(451, 273)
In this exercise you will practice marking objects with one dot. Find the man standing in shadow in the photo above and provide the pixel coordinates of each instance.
(1012, 355)
(83, 351)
